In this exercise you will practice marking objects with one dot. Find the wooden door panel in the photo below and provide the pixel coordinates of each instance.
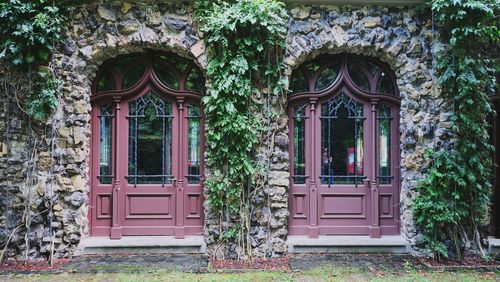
(386, 204)
(103, 206)
(193, 203)
(149, 206)
(342, 206)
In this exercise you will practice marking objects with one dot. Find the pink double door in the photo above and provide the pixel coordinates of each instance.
(344, 165)
(146, 165)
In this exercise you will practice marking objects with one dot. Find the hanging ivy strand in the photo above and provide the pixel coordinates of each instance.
(29, 32)
(452, 204)
(243, 39)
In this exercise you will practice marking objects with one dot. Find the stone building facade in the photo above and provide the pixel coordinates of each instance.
(45, 171)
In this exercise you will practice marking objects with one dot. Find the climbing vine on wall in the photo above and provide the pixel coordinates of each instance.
(452, 204)
(244, 41)
(29, 32)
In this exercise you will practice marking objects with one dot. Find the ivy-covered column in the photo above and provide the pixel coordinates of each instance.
(452, 204)
(244, 42)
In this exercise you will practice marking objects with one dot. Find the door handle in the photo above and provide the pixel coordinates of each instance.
(367, 182)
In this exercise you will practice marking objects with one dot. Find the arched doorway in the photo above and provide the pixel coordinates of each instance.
(344, 153)
(147, 143)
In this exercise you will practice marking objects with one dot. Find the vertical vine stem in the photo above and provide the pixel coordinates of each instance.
(456, 187)
(238, 35)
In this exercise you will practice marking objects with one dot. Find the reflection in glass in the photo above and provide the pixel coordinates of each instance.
(193, 144)
(133, 75)
(327, 77)
(195, 81)
(315, 65)
(384, 118)
(358, 78)
(180, 64)
(150, 140)
(166, 75)
(106, 82)
(342, 141)
(124, 62)
(299, 82)
(384, 84)
(299, 146)
(367, 64)
(105, 118)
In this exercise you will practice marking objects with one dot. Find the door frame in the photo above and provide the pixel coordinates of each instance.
(182, 190)
(309, 223)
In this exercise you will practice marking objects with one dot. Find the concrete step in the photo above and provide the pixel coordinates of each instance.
(346, 244)
(494, 245)
(144, 245)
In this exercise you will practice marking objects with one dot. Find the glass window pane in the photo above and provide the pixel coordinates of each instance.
(124, 62)
(150, 140)
(385, 176)
(166, 75)
(106, 82)
(327, 77)
(315, 65)
(366, 64)
(180, 64)
(358, 78)
(384, 84)
(195, 81)
(342, 141)
(194, 161)
(299, 145)
(105, 119)
(133, 75)
(298, 82)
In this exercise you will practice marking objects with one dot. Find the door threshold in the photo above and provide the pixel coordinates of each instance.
(493, 245)
(347, 244)
(144, 244)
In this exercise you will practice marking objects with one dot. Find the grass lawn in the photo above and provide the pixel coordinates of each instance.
(319, 274)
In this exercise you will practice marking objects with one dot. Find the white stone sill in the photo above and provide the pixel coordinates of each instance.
(346, 241)
(143, 241)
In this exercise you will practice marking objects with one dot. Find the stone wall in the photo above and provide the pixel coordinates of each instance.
(47, 168)
(58, 180)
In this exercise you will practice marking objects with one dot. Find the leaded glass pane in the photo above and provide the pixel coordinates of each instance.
(327, 77)
(105, 124)
(106, 82)
(194, 161)
(384, 84)
(358, 78)
(384, 118)
(342, 141)
(298, 82)
(299, 145)
(166, 75)
(133, 75)
(150, 140)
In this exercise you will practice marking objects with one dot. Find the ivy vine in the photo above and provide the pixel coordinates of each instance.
(29, 32)
(244, 41)
(452, 204)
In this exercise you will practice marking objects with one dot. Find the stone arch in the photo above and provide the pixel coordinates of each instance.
(102, 32)
(405, 47)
